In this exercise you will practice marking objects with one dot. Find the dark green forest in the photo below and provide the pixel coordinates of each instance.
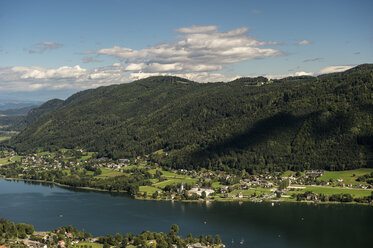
(296, 123)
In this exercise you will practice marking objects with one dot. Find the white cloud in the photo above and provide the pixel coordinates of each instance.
(304, 42)
(44, 46)
(295, 74)
(197, 29)
(34, 78)
(202, 77)
(23, 78)
(199, 49)
(35, 72)
(334, 68)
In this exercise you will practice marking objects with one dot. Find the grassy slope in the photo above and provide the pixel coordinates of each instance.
(348, 176)
(331, 191)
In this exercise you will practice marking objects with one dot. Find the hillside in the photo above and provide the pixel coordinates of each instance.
(19, 119)
(292, 123)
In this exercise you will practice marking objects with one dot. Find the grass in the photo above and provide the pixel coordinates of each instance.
(88, 156)
(66, 171)
(159, 152)
(106, 172)
(3, 138)
(86, 244)
(176, 180)
(252, 191)
(332, 191)
(16, 158)
(43, 153)
(216, 185)
(169, 174)
(349, 177)
(148, 189)
(4, 161)
(172, 175)
(287, 173)
(130, 167)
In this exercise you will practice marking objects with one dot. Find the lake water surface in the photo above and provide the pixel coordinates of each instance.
(239, 225)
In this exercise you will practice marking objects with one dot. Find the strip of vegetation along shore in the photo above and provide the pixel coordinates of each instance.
(142, 178)
(23, 235)
(300, 198)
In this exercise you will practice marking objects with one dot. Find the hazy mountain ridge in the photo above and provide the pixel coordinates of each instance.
(19, 119)
(300, 122)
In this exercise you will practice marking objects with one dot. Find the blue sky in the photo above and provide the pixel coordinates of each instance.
(55, 48)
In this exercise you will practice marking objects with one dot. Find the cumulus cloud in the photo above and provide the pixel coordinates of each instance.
(198, 53)
(334, 68)
(199, 49)
(34, 78)
(31, 78)
(304, 42)
(44, 46)
(295, 74)
(202, 77)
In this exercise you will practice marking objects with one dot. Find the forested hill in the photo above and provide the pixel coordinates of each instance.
(297, 123)
(25, 119)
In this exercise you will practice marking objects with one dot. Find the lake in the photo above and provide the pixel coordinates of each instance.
(239, 224)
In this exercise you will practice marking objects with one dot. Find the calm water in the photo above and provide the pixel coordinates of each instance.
(256, 224)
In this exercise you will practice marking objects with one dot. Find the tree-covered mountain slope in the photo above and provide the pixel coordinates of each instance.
(21, 122)
(253, 124)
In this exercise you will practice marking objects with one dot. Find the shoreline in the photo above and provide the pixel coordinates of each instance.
(172, 200)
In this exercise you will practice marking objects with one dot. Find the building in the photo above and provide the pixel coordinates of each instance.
(199, 191)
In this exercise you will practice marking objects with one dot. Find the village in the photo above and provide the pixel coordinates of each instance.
(24, 235)
(170, 184)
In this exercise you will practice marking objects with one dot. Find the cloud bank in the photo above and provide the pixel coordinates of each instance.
(199, 49)
(199, 53)
(31, 78)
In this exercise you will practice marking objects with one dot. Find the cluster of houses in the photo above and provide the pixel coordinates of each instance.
(41, 239)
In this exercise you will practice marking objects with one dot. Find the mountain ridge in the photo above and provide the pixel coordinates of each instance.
(290, 123)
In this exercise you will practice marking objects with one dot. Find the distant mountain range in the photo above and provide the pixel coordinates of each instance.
(251, 123)
(8, 104)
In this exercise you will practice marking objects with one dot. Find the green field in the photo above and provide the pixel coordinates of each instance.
(2, 138)
(216, 185)
(44, 153)
(148, 189)
(173, 181)
(287, 173)
(4, 161)
(16, 158)
(106, 172)
(168, 174)
(332, 191)
(88, 156)
(349, 177)
(88, 245)
(252, 191)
